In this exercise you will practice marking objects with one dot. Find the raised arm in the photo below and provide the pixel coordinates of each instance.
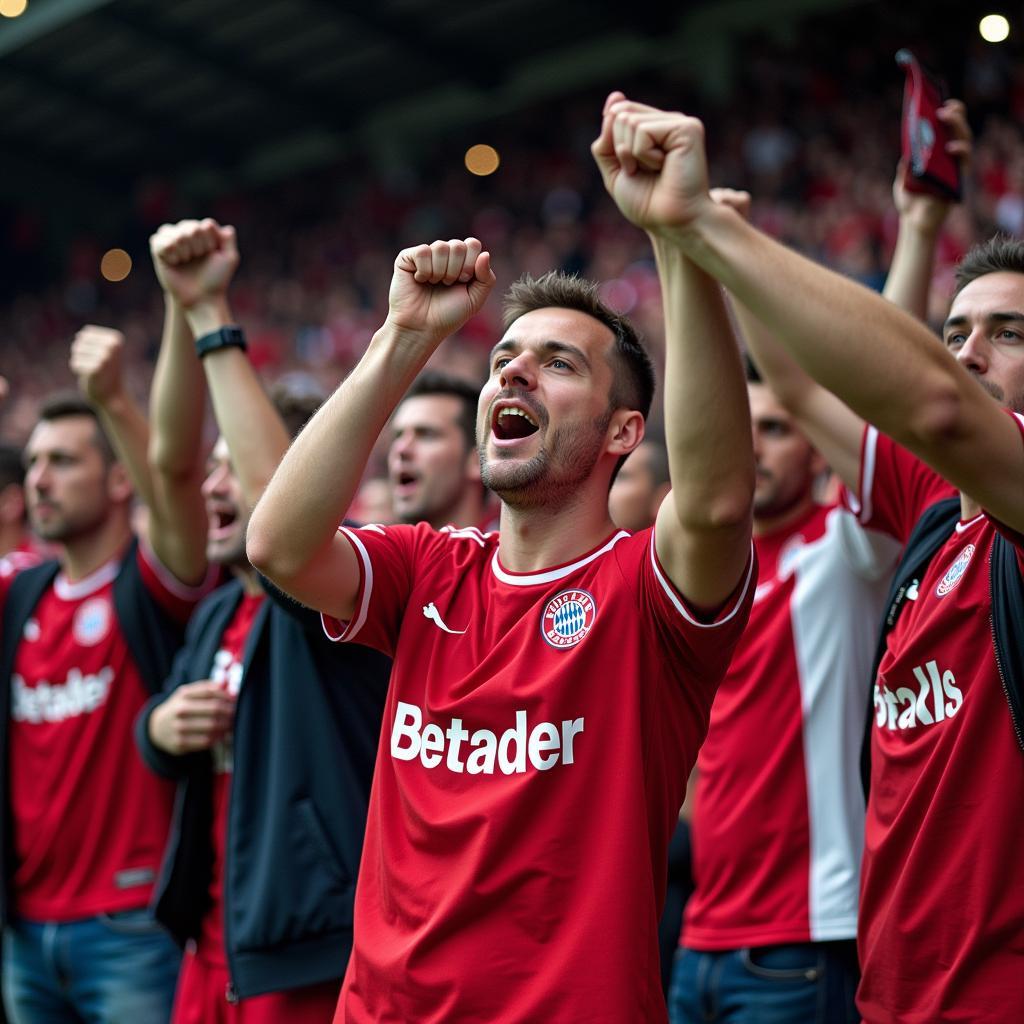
(703, 528)
(177, 406)
(921, 217)
(878, 359)
(293, 531)
(197, 260)
(97, 360)
(832, 427)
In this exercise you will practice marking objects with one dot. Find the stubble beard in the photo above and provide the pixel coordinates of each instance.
(1015, 404)
(546, 479)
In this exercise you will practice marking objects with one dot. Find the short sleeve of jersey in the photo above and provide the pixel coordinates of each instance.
(697, 648)
(387, 557)
(895, 486)
(174, 597)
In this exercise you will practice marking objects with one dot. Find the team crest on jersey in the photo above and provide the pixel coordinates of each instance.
(92, 622)
(955, 573)
(567, 618)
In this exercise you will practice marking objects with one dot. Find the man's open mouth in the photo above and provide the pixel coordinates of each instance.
(221, 521)
(510, 423)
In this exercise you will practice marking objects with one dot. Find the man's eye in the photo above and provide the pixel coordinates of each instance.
(955, 341)
(501, 362)
(560, 364)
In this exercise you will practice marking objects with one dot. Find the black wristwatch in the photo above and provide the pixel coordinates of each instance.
(228, 336)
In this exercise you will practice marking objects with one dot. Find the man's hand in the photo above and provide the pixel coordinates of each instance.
(653, 164)
(97, 361)
(436, 288)
(921, 210)
(736, 199)
(194, 260)
(194, 717)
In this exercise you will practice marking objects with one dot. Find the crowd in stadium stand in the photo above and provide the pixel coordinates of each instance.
(814, 140)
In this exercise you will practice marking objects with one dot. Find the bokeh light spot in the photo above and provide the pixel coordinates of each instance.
(13, 8)
(994, 28)
(482, 160)
(116, 265)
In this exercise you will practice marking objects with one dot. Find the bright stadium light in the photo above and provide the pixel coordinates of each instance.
(994, 28)
(12, 8)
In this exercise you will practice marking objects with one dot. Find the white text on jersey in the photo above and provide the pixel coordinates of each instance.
(543, 746)
(937, 698)
(80, 695)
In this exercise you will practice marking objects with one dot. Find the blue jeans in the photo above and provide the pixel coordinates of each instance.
(110, 969)
(802, 983)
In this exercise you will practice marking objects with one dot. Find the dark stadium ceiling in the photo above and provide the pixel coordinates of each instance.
(95, 94)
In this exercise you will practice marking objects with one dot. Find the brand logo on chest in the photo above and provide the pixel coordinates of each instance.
(955, 573)
(567, 618)
(92, 621)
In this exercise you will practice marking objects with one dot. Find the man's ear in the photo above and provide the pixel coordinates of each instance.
(819, 467)
(625, 432)
(119, 484)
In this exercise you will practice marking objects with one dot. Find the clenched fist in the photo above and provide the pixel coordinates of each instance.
(96, 360)
(436, 288)
(653, 164)
(194, 259)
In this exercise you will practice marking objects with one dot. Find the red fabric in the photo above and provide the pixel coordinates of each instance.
(779, 815)
(941, 910)
(227, 670)
(514, 868)
(201, 998)
(90, 822)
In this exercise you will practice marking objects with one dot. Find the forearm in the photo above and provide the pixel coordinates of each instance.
(177, 402)
(255, 434)
(833, 428)
(298, 515)
(707, 421)
(126, 426)
(908, 283)
(881, 362)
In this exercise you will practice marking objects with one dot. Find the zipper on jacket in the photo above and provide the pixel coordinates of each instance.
(999, 664)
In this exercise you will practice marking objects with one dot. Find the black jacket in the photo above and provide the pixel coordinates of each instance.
(305, 737)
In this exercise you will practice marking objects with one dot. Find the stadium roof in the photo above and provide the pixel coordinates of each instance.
(224, 93)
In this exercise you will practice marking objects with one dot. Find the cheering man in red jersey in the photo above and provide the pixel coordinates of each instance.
(939, 930)
(551, 685)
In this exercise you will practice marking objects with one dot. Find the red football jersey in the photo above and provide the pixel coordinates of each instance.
(227, 670)
(778, 826)
(942, 911)
(537, 739)
(90, 822)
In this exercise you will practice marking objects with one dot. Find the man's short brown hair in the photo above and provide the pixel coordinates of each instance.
(65, 404)
(999, 255)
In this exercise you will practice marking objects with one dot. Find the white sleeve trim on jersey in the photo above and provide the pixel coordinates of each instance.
(681, 608)
(860, 504)
(171, 583)
(354, 625)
